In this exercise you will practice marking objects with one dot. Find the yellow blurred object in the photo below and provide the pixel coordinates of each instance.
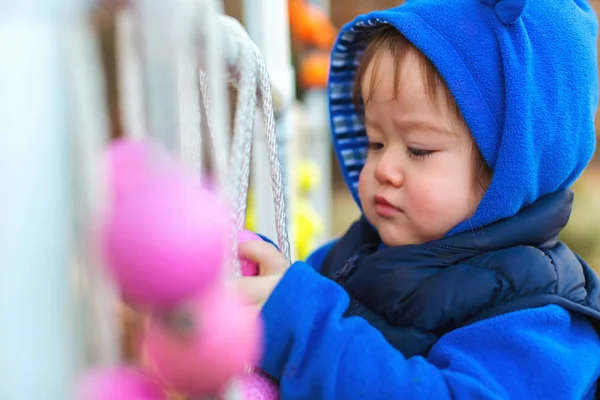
(308, 176)
(251, 212)
(306, 224)
(306, 227)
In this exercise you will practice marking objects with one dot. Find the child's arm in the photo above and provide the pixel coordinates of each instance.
(316, 353)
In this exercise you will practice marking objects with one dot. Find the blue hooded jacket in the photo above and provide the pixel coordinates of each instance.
(498, 308)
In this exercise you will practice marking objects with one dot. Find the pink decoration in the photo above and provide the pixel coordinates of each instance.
(165, 237)
(214, 342)
(257, 386)
(131, 164)
(121, 383)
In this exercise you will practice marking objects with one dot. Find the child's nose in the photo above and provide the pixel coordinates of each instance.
(388, 170)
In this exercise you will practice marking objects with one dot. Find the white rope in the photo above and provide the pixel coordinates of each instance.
(251, 76)
(246, 81)
(184, 49)
(274, 162)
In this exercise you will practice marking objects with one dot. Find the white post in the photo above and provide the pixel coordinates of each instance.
(130, 76)
(97, 298)
(38, 341)
(315, 100)
(160, 71)
(319, 152)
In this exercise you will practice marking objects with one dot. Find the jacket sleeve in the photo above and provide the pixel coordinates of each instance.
(315, 353)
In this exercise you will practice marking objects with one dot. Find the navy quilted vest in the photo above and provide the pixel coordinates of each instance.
(415, 294)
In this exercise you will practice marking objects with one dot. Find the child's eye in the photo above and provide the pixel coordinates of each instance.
(418, 153)
(375, 145)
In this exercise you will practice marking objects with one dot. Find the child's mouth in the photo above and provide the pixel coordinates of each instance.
(384, 208)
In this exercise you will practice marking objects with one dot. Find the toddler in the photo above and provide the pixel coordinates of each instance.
(459, 126)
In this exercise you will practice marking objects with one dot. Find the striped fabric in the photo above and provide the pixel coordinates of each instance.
(348, 131)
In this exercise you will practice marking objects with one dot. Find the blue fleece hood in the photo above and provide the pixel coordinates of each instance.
(524, 74)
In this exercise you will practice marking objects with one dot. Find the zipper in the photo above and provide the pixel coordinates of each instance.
(348, 267)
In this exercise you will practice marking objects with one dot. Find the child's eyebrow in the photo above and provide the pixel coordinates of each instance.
(410, 123)
(422, 125)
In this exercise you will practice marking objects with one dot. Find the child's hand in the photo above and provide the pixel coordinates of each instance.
(271, 267)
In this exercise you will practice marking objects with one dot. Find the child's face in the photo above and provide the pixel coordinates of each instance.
(418, 180)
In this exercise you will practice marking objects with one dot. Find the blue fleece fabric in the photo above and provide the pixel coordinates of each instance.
(316, 353)
(523, 73)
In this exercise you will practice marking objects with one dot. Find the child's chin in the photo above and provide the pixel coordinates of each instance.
(397, 237)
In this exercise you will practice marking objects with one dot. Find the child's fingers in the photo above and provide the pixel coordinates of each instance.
(250, 288)
(264, 254)
(256, 289)
(256, 250)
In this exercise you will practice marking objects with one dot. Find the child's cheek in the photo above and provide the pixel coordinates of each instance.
(364, 185)
(438, 204)
(424, 199)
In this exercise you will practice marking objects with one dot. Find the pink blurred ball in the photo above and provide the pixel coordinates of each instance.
(166, 240)
(209, 183)
(121, 383)
(248, 268)
(131, 163)
(225, 340)
(257, 386)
